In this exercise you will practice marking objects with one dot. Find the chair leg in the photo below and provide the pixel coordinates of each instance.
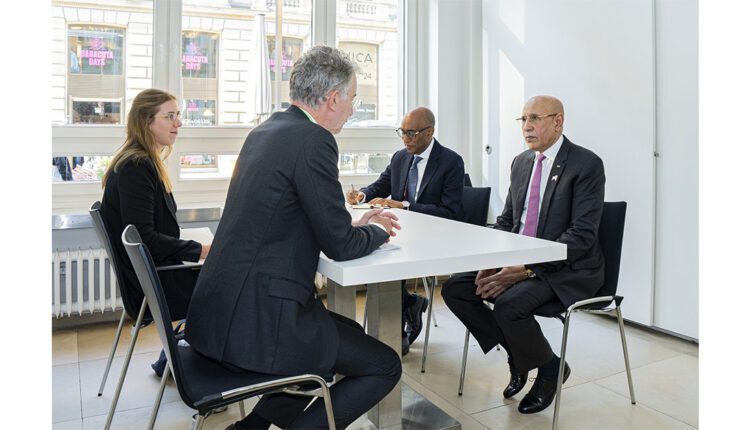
(159, 395)
(463, 364)
(112, 354)
(364, 321)
(431, 295)
(198, 422)
(625, 353)
(328, 405)
(242, 409)
(125, 364)
(425, 286)
(561, 371)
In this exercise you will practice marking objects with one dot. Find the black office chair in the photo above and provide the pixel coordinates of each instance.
(205, 384)
(476, 203)
(611, 230)
(130, 299)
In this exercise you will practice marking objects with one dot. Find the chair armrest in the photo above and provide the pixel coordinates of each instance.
(186, 266)
(581, 303)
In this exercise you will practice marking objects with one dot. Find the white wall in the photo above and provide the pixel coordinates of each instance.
(676, 276)
(598, 58)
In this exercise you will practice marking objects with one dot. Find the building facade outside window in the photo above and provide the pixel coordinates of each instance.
(103, 55)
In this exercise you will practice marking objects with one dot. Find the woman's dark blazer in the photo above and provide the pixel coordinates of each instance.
(134, 194)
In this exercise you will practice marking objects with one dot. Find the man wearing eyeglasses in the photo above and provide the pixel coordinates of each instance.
(423, 177)
(556, 193)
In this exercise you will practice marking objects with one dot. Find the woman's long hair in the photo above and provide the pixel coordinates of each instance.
(139, 140)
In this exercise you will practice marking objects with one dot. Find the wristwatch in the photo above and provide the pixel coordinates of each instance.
(406, 205)
(530, 273)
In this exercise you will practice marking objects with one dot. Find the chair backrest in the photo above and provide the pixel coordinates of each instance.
(145, 270)
(611, 228)
(476, 202)
(105, 237)
(467, 180)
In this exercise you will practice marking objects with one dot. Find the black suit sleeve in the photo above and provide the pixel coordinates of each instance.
(139, 194)
(316, 180)
(450, 199)
(586, 209)
(381, 187)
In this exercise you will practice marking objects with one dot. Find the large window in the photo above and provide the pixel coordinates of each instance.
(232, 73)
(368, 32)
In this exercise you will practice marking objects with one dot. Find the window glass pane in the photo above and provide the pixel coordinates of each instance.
(368, 32)
(363, 163)
(206, 166)
(79, 168)
(229, 51)
(101, 58)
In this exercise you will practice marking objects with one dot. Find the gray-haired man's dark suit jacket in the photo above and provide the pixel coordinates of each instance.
(254, 305)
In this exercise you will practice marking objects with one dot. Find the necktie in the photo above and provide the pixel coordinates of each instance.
(532, 212)
(411, 180)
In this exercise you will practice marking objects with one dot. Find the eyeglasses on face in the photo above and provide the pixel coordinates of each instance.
(533, 118)
(411, 134)
(172, 116)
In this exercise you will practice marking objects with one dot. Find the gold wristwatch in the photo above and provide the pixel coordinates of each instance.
(530, 273)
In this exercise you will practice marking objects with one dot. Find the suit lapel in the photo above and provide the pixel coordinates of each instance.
(554, 178)
(429, 171)
(520, 192)
(169, 201)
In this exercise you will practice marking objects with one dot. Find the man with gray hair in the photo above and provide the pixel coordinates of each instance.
(254, 306)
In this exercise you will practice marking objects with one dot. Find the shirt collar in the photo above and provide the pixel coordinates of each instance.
(552, 151)
(426, 153)
(307, 114)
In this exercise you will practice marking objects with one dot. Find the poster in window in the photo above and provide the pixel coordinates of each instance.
(198, 112)
(365, 55)
(95, 50)
(199, 54)
(291, 49)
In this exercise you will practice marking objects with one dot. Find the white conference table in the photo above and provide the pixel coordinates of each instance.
(427, 246)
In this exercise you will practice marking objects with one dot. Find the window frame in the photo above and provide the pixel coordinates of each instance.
(104, 140)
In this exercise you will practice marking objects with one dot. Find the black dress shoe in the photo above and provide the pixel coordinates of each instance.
(542, 394)
(516, 384)
(414, 317)
(404, 346)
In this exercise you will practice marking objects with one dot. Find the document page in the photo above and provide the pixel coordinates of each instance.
(201, 235)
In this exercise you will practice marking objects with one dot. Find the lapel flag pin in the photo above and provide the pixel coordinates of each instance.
(554, 178)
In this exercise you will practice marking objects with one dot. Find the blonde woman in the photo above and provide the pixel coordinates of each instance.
(137, 191)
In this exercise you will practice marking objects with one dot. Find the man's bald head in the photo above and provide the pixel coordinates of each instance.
(544, 122)
(420, 120)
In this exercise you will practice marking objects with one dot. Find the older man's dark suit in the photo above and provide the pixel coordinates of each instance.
(255, 306)
(570, 212)
(441, 188)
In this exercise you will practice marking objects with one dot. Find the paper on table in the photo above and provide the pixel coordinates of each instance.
(201, 235)
(387, 247)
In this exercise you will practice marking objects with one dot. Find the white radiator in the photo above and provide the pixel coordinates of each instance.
(83, 282)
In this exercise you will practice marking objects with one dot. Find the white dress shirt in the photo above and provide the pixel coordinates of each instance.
(422, 164)
(547, 164)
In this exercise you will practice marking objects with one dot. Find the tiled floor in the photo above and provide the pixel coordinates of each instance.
(665, 372)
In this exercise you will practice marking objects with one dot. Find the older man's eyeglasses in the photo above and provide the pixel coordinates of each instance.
(172, 116)
(411, 134)
(533, 118)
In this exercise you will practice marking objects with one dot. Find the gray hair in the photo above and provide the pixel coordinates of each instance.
(319, 71)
